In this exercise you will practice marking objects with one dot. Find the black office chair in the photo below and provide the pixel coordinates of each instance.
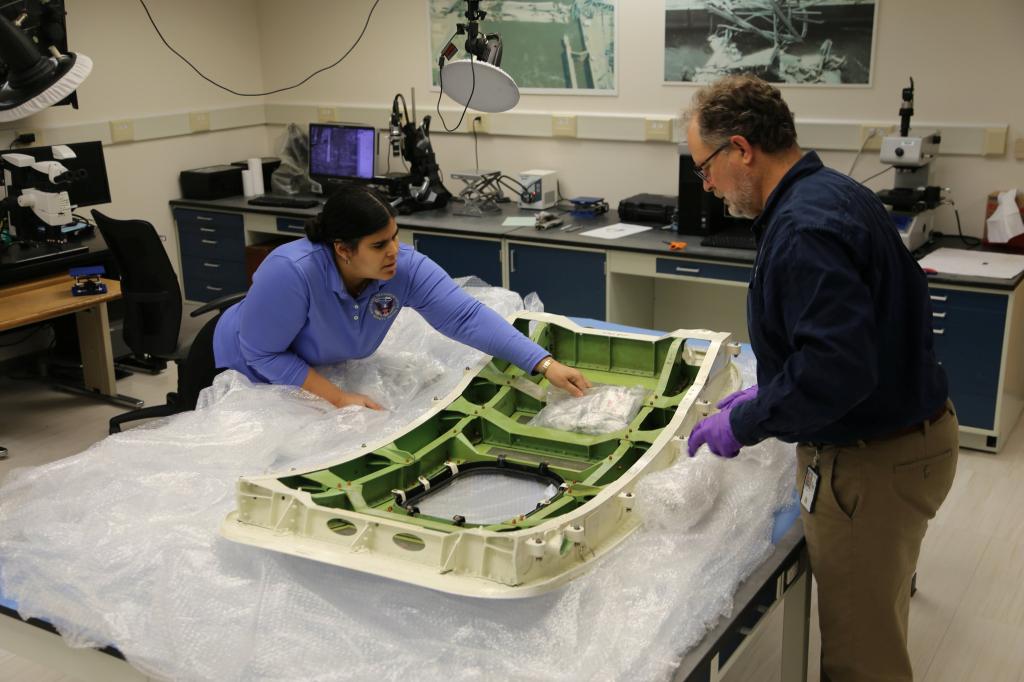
(152, 319)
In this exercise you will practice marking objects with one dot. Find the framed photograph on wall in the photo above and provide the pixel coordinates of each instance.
(793, 42)
(549, 46)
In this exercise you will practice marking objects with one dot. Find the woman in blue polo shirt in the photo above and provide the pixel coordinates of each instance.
(334, 295)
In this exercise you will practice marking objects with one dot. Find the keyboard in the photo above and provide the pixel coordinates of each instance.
(731, 240)
(282, 201)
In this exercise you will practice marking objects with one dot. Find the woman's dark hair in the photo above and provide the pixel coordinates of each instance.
(744, 105)
(351, 213)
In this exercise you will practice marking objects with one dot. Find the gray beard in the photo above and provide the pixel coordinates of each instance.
(744, 204)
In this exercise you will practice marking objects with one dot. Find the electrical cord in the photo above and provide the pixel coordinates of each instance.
(969, 242)
(269, 92)
(476, 148)
(863, 146)
(872, 177)
(472, 89)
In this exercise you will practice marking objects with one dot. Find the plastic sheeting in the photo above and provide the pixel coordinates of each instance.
(119, 544)
(603, 409)
(486, 497)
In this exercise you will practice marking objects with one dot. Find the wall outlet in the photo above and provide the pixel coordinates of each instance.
(326, 114)
(481, 123)
(563, 125)
(1018, 149)
(122, 131)
(658, 129)
(199, 121)
(880, 130)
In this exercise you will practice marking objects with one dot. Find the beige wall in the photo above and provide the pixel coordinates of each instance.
(135, 76)
(966, 59)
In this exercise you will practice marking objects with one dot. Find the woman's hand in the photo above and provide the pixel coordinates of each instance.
(344, 399)
(317, 384)
(568, 379)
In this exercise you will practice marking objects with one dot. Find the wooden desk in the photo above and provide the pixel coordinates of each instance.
(50, 297)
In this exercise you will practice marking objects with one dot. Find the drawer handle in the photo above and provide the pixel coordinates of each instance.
(212, 242)
(940, 299)
(204, 217)
(210, 265)
(693, 271)
(213, 288)
(207, 229)
(939, 315)
(938, 332)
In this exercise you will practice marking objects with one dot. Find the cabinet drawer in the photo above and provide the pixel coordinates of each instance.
(206, 279)
(701, 269)
(292, 225)
(209, 219)
(201, 241)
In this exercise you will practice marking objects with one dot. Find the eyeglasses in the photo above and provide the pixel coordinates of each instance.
(698, 169)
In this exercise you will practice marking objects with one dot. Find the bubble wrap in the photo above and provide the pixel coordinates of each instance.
(602, 409)
(119, 544)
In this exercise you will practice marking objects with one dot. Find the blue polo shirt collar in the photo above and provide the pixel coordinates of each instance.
(332, 276)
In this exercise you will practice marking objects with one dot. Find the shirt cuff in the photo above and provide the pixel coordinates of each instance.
(743, 428)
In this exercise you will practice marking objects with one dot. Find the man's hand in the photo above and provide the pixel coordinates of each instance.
(568, 379)
(345, 399)
(734, 399)
(717, 433)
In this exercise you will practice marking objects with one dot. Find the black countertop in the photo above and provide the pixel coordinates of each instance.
(649, 242)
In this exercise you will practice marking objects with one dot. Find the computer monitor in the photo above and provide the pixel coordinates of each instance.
(341, 151)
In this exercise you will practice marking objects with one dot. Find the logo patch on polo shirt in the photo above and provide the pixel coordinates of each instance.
(383, 305)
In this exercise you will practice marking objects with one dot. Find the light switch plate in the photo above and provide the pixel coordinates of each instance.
(325, 114)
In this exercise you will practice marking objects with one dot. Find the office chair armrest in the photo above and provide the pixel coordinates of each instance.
(218, 304)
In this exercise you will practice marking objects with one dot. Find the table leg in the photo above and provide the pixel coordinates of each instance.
(97, 352)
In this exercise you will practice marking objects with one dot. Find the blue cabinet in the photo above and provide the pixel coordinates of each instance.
(569, 282)
(461, 257)
(212, 246)
(968, 328)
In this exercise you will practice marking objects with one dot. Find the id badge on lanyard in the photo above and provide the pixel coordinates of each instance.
(809, 495)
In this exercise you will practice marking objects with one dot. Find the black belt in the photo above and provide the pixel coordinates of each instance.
(918, 426)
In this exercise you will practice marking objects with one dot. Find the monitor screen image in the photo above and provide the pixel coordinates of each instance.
(343, 152)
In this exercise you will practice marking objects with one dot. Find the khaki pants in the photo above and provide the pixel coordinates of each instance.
(864, 537)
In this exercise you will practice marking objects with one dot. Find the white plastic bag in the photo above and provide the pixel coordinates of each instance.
(603, 409)
(1005, 222)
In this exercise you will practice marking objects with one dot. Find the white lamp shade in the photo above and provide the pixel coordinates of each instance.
(493, 90)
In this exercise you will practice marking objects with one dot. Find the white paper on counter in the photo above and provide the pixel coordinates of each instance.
(1005, 222)
(615, 231)
(973, 263)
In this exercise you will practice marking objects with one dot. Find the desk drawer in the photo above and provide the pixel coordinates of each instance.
(292, 225)
(702, 269)
(206, 278)
(209, 219)
(219, 243)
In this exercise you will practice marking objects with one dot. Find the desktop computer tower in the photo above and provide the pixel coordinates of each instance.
(699, 212)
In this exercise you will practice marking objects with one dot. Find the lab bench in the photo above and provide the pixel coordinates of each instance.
(635, 281)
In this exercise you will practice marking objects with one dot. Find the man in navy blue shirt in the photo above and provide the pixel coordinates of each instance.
(840, 324)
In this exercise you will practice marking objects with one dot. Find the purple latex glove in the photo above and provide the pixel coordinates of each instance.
(717, 433)
(734, 399)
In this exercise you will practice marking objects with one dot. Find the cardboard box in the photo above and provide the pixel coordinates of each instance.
(1017, 243)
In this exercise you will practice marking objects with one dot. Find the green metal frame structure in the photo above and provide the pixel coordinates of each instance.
(362, 512)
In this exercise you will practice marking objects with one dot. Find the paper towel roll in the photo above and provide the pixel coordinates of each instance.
(256, 170)
(247, 188)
